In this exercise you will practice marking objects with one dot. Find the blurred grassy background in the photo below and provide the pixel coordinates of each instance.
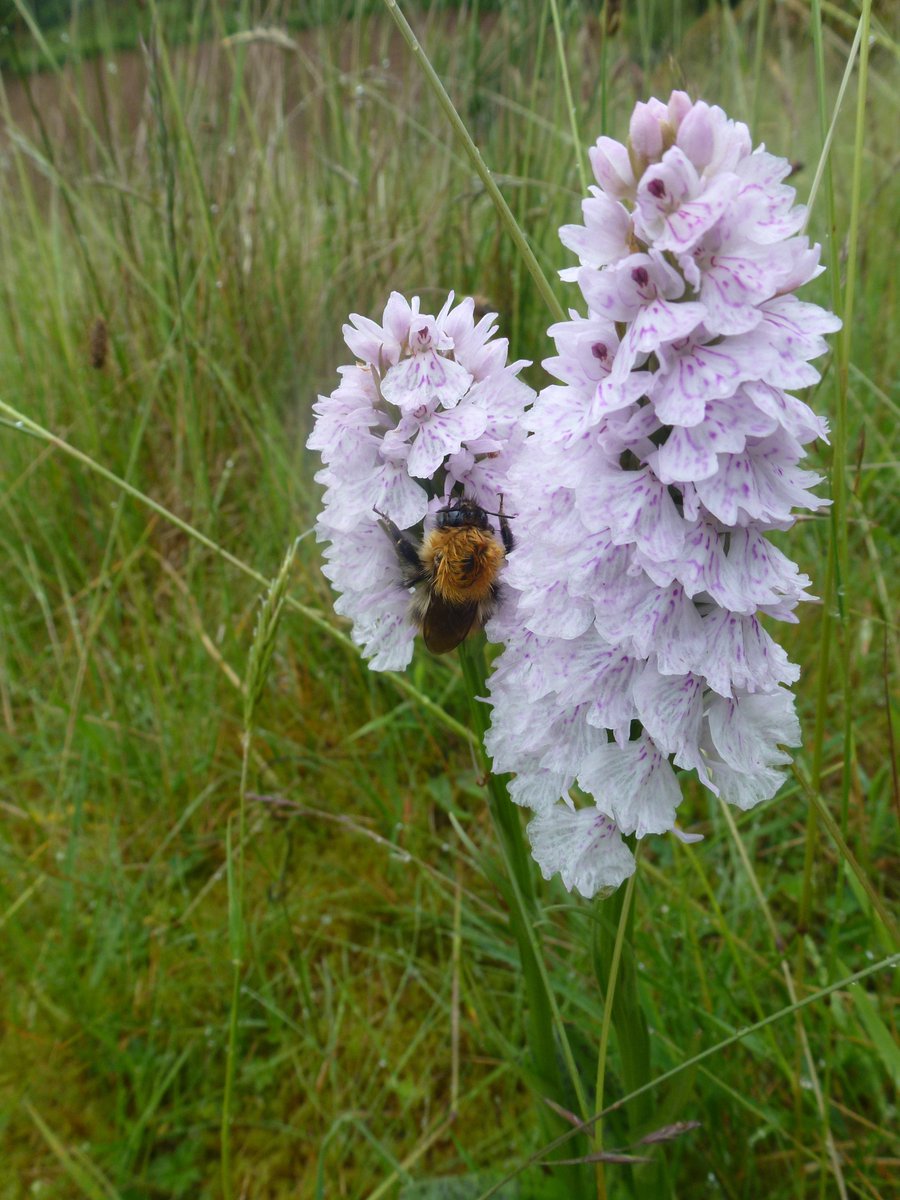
(185, 226)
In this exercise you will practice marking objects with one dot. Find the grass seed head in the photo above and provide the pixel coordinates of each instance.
(264, 635)
(98, 343)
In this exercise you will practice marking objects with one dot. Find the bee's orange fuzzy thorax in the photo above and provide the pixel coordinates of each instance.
(463, 563)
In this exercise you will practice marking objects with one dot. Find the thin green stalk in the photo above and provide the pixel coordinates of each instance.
(168, 158)
(884, 964)
(458, 126)
(844, 346)
(608, 1002)
(259, 662)
(235, 923)
(802, 1038)
(524, 197)
(832, 601)
(545, 1020)
(567, 92)
(761, 14)
(834, 830)
(604, 68)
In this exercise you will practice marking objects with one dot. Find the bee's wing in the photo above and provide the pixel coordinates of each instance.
(445, 625)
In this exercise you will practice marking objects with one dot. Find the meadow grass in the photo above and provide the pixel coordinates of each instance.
(254, 890)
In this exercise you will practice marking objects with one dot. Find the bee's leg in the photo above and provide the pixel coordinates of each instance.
(406, 546)
(505, 532)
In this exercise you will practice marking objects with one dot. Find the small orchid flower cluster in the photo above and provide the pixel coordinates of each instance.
(653, 471)
(430, 403)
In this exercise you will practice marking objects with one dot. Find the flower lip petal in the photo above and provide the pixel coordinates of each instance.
(424, 378)
(582, 846)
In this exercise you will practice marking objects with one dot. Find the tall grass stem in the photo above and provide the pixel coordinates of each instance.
(459, 128)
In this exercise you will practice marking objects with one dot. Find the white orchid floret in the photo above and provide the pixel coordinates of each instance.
(583, 846)
(655, 469)
(429, 405)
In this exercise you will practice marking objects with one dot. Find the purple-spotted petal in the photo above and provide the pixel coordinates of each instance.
(583, 847)
(442, 434)
(634, 785)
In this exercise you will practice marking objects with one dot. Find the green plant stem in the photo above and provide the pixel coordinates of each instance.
(608, 1003)
(837, 546)
(838, 575)
(604, 67)
(878, 906)
(236, 943)
(458, 126)
(544, 1018)
(759, 53)
(844, 346)
(567, 92)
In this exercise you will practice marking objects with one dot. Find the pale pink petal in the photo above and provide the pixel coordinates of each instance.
(442, 434)
(740, 654)
(670, 707)
(603, 238)
(746, 730)
(423, 379)
(583, 847)
(637, 509)
(634, 785)
(612, 168)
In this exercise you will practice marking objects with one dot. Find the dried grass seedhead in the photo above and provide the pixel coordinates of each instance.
(98, 343)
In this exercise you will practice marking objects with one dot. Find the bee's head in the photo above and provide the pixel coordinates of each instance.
(461, 513)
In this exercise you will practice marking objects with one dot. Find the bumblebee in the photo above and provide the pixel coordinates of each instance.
(453, 571)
